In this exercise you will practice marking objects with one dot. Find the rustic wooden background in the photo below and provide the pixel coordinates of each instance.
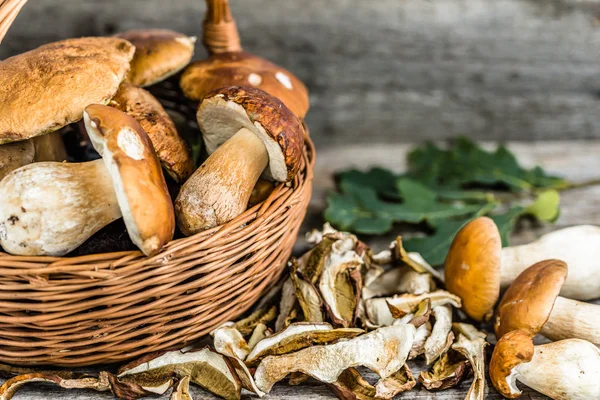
(392, 70)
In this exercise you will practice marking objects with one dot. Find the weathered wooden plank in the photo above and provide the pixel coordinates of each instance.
(391, 71)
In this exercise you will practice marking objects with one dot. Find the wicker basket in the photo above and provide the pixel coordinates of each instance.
(106, 308)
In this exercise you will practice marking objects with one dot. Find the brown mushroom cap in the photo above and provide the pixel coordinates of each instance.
(225, 111)
(472, 267)
(159, 54)
(137, 177)
(244, 69)
(529, 300)
(171, 149)
(47, 88)
(512, 349)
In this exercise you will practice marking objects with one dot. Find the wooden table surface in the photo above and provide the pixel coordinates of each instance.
(576, 160)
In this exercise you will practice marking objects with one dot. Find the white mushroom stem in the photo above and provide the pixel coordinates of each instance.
(564, 370)
(220, 189)
(573, 319)
(51, 208)
(578, 246)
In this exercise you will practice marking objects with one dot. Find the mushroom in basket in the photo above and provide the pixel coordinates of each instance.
(247, 133)
(51, 208)
(229, 65)
(14, 155)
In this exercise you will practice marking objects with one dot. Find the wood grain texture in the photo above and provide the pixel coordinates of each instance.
(388, 70)
(578, 161)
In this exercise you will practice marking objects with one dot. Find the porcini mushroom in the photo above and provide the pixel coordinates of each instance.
(159, 54)
(472, 267)
(171, 149)
(532, 304)
(50, 208)
(48, 87)
(138, 180)
(564, 370)
(42, 148)
(476, 268)
(247, 133)
(229, 65)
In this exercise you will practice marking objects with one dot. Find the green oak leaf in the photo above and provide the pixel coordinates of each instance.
(506, 222)
(381, 180)
(545, 207)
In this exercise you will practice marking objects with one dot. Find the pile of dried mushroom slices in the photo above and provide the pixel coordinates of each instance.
(252, 138)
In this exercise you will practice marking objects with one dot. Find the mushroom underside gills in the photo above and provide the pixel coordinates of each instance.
(220, 189)
(51, 208)
(564, 370)
(578, 246)
(573, 319)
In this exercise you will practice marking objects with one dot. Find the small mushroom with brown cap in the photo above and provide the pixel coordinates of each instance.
(47, 88)
(159, 54)
(564, 370)
(229, 65)
(138, 180)
(476, 268)
(247, 133)
(472, 268)
(170, 148)
(532, 304)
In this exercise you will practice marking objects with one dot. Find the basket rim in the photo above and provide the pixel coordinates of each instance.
(253, 214)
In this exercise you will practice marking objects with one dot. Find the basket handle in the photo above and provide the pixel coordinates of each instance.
(220, 31)
(9, 9)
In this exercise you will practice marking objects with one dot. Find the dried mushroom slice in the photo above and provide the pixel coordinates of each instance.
(446, 372)
(399, 280)
(297, 378)
(315, 236)
(401, 305)
(11, 386)
(205, 367)
(421, 336)
(441, 337)
(182, 390)
(413, 260)
(260, 332)
(229, 341)
(287, 305)
(378, 312)
(263, 313)
(471, 344)
(401, 381)
(336, 287)
(308, 297)
(384, 351)
(298, 336)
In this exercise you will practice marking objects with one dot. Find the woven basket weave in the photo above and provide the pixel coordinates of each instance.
(106, 308)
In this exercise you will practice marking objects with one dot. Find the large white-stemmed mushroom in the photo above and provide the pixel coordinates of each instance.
(49, 87)
(50, 208)
(476, 267)
(229, 65)
(564, 370)
(532, 304)
(247, 133)
(137, 177)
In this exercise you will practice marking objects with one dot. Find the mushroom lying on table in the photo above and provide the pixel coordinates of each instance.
(476, 267)
(159, 54)
(229, 65)
(532, 304)
(51, 208)
(247, 133)
(170, 148)
(564, 370)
